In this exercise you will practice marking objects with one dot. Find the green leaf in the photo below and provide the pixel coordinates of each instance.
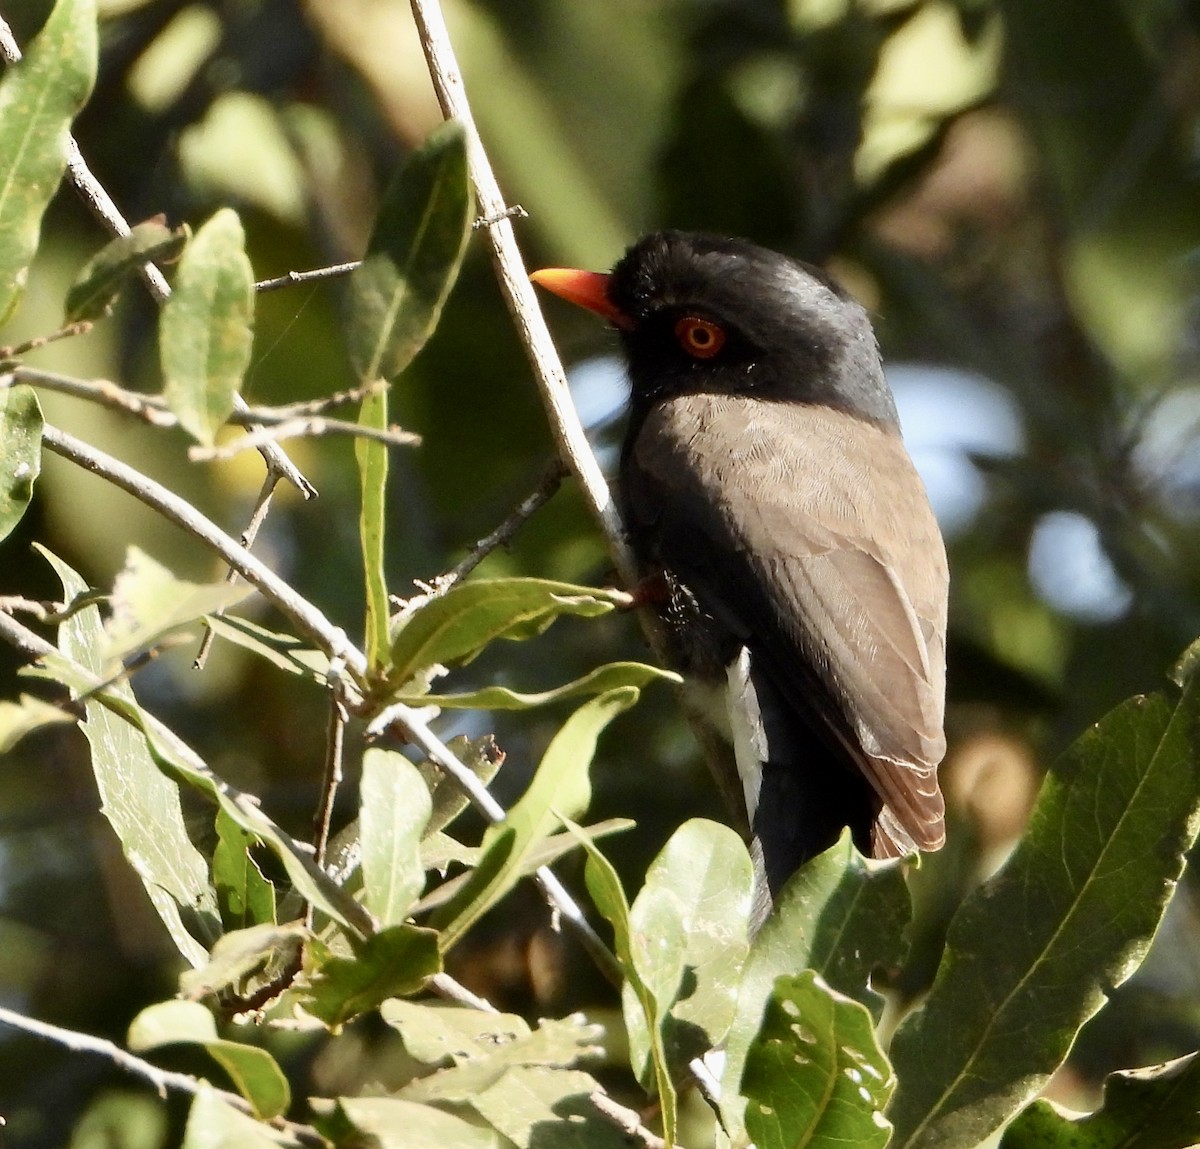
(609, 897)
(284, 651)
(395, 805)
(214, 1124)
(815, 1076)
(689, 928)
(254, 1072)
(553, 1043)
(1151, 1108)
(20, 453)
(456, 626)
(390, 1123)
(141, 804)
(392, 963)
(148, 602)
(533, 1105)
(206, 328)
(244, 896)
(100, 280)
(179, 762)
(372, 458)
(245, 962)
(435, 1033)
(397, 294)
(559, 788)
(25, 716)
(1030, 955)
(39, 97)
(840, 915)
(603, 678)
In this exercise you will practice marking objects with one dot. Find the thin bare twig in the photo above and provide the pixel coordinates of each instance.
(518, 292)
(311, 622)
(629, 1121)
(335, 745)
(549, 483)
(163, 1080)
(292, 278)
(257, 517)
(312, 427)
(40, 341)
(445, 986)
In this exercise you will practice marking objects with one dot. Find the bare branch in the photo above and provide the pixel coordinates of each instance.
(257, 517)
(629, 1121)
(309, 427)
(445, 986)
(518, 291)
(149, 408)
(163, 1080)
(311, 622)
(550, 482)
(292, 278)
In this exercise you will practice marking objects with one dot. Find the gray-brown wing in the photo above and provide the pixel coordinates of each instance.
(823, 554)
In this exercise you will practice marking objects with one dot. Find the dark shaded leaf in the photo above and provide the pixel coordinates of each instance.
(392, 963)
(244, 896)
(100, 280)
(1153, 1108)
(1030, 955)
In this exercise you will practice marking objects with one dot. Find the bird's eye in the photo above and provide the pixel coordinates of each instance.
(700, 338)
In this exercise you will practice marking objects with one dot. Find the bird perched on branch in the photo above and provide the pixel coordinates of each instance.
(765, 485)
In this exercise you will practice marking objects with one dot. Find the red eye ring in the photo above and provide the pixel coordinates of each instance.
(700, 338)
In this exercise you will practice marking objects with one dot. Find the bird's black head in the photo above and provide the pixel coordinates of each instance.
(701, 313)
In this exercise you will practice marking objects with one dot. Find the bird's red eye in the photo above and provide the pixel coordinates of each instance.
(700, 338)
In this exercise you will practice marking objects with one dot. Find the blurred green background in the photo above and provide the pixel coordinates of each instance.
(1009, 185)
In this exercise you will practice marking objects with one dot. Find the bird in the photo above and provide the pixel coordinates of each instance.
(767, 493)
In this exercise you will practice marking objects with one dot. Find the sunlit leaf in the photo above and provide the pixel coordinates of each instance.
(148, 602)
(607, 893)
(392, 963)
(20, 453)
(206, 328)
(437, 1032)
(688, 939)
(840, 915)
(390, 1123)
(815, 1076)
(245, 962)
(560, 787)
(24, 716)
(456, 626)
(395, 806)
(214, 1124)
(597, 681)
(140, 802)
(254, 1072)
(1031, 955)
(38, 100)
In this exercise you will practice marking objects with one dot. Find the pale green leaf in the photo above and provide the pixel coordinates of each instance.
(100, 279)
(39, 97)
(395, 806)
(20, 453)
(206, 328)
